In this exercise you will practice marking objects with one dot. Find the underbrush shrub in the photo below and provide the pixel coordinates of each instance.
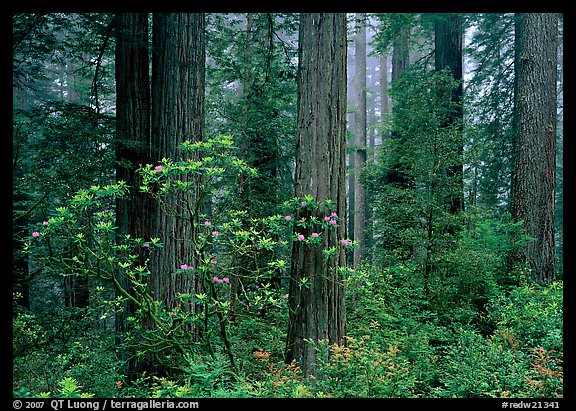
(476, 367)
(546, 376)
(533, 313)
(89, 360)
(362, 368)
(276, 379)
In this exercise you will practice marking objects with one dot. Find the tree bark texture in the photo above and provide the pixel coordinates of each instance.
(534, 144)
(448, 32)
(132, 142)
(360, 141)
(132, 118)
(177, 115)
(317, 311)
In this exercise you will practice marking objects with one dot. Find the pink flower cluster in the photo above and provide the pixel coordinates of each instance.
(186, 267)
(37, 233)
(301, 237)
(346, 242)
(331, 219)
(158, 168)
(220, 280)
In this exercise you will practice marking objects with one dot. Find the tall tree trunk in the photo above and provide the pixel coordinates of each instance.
(360, 141)
(317, 312)
(351, 121)
(384, 103)
(400, 61)
(400, 53)
(132, 140)
(178, 63)
(448, 32)
(534, 144)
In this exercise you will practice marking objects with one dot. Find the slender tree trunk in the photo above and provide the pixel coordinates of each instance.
(534, 144)
(360, 141)
(384, 104)
(177, 115)
(317, 312)
(351, 121)
(400, 61)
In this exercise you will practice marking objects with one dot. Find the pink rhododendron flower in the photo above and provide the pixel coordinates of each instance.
(146, 245)
(158, 168)
(215, 278)
(300, 237)
(213, 261)
(35, 234)
(207, 223)
(334, 215)
(215, 233)
(314, 235)
(345, 242)
(333, 222)
(327, 218)
(287, 218)
(303, 203)
(45, 222)
(226, 279)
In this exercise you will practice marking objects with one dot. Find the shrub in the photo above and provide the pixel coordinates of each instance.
(362, 368)
(477, 367)
(533, 313)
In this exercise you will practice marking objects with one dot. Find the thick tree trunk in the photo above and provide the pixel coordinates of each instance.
(317, 312)
(448, 32)
(132, 140)
(132, 118)
(177, 115)
(534, 144)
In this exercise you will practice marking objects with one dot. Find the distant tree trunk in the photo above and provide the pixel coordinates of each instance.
(317, 312)
(132, 140)
(384, 104)
(351, 121)
(372, 125)
(360, 141)
(178, 63)
(534, 144)
(400, 60)
(259, 148)
(448, 32)
(400, 53)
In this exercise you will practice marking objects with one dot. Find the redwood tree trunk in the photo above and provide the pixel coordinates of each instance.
(177, 115)
(360, 141)
(132, 118)
(317, 312)
(132, 141)
(448, 32)
(534, 144)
